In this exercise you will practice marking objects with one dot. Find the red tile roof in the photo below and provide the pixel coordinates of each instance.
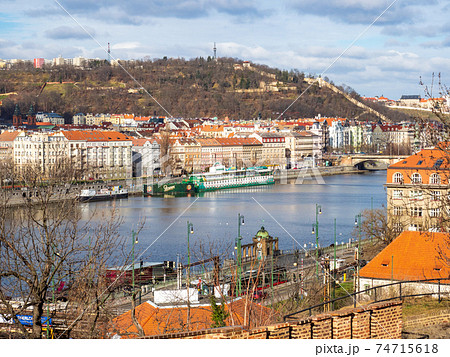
(95, 135)
(427, 159)
(162, 320)
(8, 135)
(416, 255)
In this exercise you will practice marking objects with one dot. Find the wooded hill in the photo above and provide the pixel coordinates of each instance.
(185, 88)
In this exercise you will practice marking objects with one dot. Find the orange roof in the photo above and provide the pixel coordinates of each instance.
(208, 142)
(95, 135)
(425, 162)
(212, 127)
(163, 320)
(8, 135)
(141, 118)
(140, 141)
(425, 159)
(416, 256)
(238, 141)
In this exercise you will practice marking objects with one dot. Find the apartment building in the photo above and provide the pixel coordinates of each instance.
(145, 157)
(100, 154)
(418, 192)
(41, 150)
(211, 152)
(273, 149)
(7, 145)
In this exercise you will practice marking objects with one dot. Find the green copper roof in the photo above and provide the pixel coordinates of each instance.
(31, 111)
(17, 110)
(262, 233)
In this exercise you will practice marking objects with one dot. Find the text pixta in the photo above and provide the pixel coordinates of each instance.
(347, 350)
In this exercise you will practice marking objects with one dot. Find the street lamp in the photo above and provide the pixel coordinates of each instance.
(238, 255)
(358, 224)
(190, 230)
(315, 229)
(135, 241)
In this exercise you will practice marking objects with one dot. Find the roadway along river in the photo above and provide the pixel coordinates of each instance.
(287, 211)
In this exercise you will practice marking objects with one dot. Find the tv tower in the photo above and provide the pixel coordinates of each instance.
(109, 53)
(215, 51)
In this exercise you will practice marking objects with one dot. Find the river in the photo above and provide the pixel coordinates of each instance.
(287, 211)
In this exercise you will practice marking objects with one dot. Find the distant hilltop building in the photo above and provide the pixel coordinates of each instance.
(59, 61)
(38, 62)
(410, 100)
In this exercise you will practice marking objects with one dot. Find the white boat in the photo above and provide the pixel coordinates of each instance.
(103, 194)
(219, 178)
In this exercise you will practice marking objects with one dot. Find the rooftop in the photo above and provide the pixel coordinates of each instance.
(415, 256)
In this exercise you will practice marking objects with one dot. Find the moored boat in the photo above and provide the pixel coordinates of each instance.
(217, 178)
(104, 194)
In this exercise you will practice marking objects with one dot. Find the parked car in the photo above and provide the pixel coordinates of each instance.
(259, 295)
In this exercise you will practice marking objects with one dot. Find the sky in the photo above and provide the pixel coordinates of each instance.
(377, 47)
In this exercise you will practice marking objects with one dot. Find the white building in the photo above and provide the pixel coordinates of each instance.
(146, 157)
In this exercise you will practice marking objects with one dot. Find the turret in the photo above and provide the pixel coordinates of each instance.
(17, 117)
(31, 118)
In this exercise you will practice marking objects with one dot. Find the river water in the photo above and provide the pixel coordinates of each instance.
(287, 211)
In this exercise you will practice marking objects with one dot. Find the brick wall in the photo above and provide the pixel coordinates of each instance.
(379, 320)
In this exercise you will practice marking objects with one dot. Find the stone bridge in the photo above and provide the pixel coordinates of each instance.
(371, 162)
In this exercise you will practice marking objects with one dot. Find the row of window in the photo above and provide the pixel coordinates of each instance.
(435, 179)
(398, 227)
(417, 195)
(416, 211)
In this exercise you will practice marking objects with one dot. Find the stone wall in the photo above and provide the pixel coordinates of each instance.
(428, 319)
(379, 320)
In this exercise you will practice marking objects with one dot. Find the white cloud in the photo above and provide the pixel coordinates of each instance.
(126, 46)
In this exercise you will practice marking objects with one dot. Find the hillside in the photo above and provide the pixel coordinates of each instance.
(185, 88)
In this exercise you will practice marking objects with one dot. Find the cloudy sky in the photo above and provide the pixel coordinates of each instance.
(377, 47)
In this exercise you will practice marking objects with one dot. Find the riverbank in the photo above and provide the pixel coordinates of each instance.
(20, 197)
(315, 172)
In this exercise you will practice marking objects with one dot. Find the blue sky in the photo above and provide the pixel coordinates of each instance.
(411, 40)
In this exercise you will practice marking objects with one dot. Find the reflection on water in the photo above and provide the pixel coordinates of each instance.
(289, 207)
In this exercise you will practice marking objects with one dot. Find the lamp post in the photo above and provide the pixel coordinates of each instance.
(358, 224)
(315, 229)
(371, 219)
(190, 230)
(335, 267)
(135, 241)
(241, 222)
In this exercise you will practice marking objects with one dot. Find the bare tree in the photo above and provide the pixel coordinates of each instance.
(46, 248)
(377, 226)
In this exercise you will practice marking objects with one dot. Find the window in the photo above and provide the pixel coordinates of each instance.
(397, 194)
(416, 211)
(416, 195)
(414, 227)
(435, 212)
(398, 178)
(398, 211)
(435, 195)
(435, 179)
(416, 178)
(398, 227)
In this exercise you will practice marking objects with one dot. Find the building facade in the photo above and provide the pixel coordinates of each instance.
(418, 192)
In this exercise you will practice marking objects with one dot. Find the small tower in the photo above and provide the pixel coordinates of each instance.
(17, 117)
(109, 53)
(266, 245)
(31, 117)
(215, 51)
